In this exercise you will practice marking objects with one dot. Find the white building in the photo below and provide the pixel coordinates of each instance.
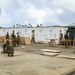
(40, 33)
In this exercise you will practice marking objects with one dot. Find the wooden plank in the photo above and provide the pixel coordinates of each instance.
(66, 56)
(17, 53)
(49, 54)
(48, 50)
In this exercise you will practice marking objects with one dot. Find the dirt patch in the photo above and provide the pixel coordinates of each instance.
(33, 63)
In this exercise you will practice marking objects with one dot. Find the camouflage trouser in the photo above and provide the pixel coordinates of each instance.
(4, 51)
(60, 41)
(33, 40)
(67, 43)
(14, 43)
(18, 42)
(10, 52)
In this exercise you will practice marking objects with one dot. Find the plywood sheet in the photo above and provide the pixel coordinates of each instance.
(49, 54)
(48, 50)
(66, 56)
(17, 53)
(22, 40)
(3, 37)
(27, 40)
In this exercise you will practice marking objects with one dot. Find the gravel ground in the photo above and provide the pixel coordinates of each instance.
(33, 63)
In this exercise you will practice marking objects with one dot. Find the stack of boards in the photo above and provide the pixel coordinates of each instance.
(48, 52)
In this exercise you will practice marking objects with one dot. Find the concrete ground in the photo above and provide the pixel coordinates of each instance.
(33, 63)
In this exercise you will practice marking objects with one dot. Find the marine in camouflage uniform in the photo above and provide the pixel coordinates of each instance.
(13, 39)
(60, 37)
(18, 39)
(4, 46)
(10, 50)
(7, 36)
(67, 42)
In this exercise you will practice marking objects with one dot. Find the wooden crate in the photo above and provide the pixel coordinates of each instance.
(25, 40)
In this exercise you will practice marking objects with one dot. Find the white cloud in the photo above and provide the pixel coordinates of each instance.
(26, 11)
(36, 14)
(59, 11)
(4, 4)
(52, 14)
(43, 1)
(5, 19)
(67, 4)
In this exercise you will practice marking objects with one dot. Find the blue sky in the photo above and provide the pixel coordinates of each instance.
(45, 12)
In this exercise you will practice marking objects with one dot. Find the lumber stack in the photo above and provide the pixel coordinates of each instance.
(49, 52)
